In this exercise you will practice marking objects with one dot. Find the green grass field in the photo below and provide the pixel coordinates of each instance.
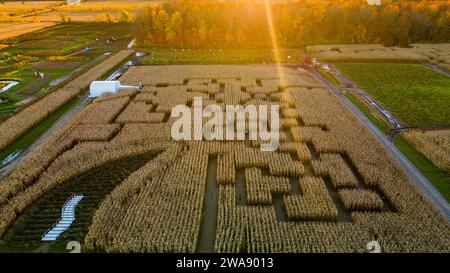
(29, 84)
(218, 56)
(415, 94)
(54, 46)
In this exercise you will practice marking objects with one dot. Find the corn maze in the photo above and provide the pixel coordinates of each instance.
(330, 187)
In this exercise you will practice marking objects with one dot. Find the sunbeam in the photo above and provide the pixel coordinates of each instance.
(273, 37)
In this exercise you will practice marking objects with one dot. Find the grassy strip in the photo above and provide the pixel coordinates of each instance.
(329, 77)
(440, 179)
(379, 123)
(29, 138)
(219, 56)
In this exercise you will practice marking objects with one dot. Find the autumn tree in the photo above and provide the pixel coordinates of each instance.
(234, 24)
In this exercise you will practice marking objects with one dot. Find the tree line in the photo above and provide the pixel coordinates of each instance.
(187, 23)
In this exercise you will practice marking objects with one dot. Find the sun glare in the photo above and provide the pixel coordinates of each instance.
(273, 37)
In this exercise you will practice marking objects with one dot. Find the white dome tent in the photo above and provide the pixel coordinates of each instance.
(98, 88)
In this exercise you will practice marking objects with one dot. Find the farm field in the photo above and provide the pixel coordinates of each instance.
(435, 144)
(67, 38)
(29, 84)
(119, 5)
(365, 53)
(412, 92)
(16, 126)
(113, 172)
(13, 29)
(13, 5)
(26, 7)
(428, 150)
(57, 52)
(160, 56)
(79, 16)
(93, 11)
(437, 54)
(319, 192)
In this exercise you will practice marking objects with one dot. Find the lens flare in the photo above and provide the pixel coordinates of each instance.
(273, 37)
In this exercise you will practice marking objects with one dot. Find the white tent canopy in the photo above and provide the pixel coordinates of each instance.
(98, 88)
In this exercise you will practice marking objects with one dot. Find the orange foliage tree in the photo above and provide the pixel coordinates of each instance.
(297, 23)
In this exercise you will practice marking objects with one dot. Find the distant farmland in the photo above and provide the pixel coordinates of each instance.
(438, 54)
(87, 11)
(78, 16)
(8, 30)
(27, 6)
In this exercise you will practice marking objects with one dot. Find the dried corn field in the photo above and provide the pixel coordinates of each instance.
(330, 187)
(437, 54)
(434, 144)
(13, 29)
(366, 53)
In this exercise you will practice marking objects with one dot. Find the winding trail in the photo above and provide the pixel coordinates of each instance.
(66, 220)
(422, 184)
